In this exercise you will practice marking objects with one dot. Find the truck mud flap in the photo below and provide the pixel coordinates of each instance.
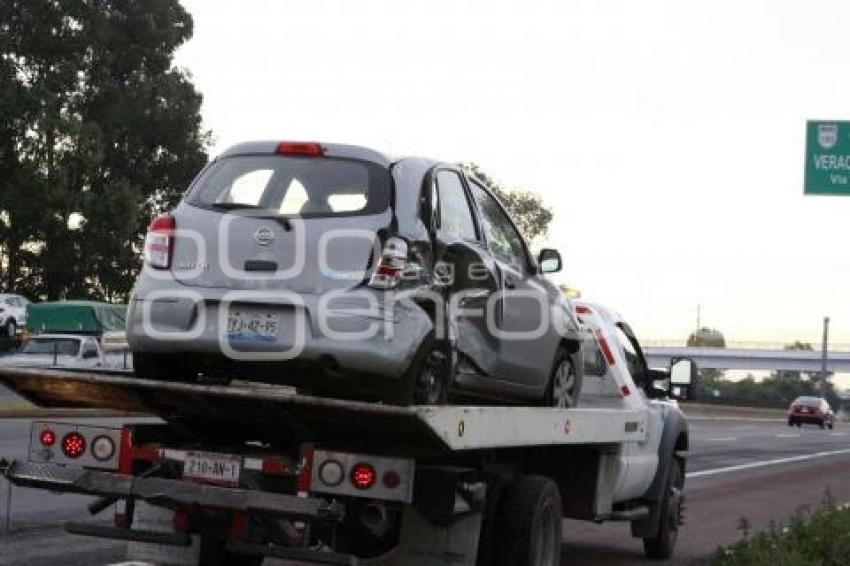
(168, 492)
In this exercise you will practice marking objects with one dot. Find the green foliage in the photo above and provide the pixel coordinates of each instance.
(95, 123)
(821, 538)
(707, 338)
(526, 208)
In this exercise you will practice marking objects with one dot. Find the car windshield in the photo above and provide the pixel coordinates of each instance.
(307, 186)
(58, 346)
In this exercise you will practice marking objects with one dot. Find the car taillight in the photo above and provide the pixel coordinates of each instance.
(158, 242)
(73, 445)
(363, 475)
(390, 266)
(308, 149)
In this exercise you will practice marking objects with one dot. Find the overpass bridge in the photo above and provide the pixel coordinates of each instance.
(750, 358)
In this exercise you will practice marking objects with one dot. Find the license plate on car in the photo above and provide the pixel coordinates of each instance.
(252, 326)
(221, 469)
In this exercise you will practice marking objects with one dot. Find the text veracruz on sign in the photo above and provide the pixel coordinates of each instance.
(827, 158)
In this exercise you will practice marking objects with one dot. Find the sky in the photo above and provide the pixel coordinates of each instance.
(667, 137)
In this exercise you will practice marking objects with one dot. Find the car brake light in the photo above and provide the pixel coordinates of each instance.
(363, 475)
(308, 149)
(73, 445)
(390, 266)
(158, 242)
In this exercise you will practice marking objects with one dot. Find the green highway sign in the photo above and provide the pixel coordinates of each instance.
(827, 158)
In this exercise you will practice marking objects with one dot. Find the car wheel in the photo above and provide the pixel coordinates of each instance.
(790, 422)
(822, 425)
(11, 329)
(831, 425)
(430, 386)
(564, 384)
(426, 381)
(660, 547)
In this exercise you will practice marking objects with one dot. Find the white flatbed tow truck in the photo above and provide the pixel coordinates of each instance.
(248, 472)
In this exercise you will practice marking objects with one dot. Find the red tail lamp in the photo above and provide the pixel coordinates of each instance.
(73, 445)
(47, 437)
(363, 475)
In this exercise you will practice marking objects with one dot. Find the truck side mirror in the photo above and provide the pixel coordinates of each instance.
(549, 260)
(683, 378)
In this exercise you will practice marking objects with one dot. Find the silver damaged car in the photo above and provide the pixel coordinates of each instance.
(347, 273)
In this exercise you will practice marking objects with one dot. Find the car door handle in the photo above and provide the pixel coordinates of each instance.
(510, 283)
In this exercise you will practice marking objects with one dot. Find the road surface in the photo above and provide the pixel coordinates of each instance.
(760, 470)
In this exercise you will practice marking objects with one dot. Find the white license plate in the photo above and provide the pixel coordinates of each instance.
(222, 469)
(252, 326)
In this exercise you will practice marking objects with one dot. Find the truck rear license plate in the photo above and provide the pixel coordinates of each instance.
(221, 469)
(252, 326)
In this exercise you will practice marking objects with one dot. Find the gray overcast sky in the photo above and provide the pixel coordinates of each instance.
(667, 136)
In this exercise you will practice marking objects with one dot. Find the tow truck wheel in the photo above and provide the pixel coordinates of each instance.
(660, 547)
(528, 523)
(11, 329)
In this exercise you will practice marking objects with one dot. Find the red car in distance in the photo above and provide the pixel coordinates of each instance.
(811, 410)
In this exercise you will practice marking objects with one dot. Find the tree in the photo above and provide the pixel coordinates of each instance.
(791, 374)
(526, 208)
(707, 338)
(95, 125)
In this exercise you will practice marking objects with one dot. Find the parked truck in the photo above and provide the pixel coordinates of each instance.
(248, 471)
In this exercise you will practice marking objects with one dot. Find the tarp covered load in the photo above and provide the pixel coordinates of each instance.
(83, 317)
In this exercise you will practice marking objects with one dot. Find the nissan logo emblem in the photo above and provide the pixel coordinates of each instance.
(264, 236)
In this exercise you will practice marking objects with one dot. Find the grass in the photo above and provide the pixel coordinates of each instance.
(817, 538)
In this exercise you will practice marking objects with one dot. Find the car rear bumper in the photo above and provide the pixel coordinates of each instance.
(348, 333)
(807, 418)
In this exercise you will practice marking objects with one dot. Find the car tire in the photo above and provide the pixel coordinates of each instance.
(11, 329)
(528, 523)
(831, 425)
(660, 547)
(822, 425)
(427, 380)
(564, 385)
(790, 422)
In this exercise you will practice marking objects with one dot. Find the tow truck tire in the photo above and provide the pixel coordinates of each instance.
(11, 328)
(528, 523)
(660, 547)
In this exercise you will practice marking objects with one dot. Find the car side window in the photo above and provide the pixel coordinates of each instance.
(89, 350)
(455, 215)
(504, 240)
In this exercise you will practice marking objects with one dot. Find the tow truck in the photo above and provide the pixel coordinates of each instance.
(244, 472)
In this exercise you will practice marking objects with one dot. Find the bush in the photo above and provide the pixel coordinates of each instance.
(821, 538)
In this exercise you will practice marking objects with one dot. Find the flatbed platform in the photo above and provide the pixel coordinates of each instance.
(255, 405)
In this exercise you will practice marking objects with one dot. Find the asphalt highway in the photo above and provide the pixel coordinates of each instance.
(760, 470)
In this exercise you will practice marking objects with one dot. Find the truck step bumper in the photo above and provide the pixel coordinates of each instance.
(169, 492)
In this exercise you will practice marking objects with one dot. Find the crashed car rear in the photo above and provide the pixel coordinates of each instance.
(344, 272)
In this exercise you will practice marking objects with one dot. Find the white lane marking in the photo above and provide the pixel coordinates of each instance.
(837, 434)
(787, 435)
(751, 465)
(723, 439)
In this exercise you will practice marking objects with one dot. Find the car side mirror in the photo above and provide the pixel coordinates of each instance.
(549, 260)
(683, 378)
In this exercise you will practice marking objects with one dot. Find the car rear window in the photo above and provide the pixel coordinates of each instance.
(808, 401)
(57, 346)
(290, 186)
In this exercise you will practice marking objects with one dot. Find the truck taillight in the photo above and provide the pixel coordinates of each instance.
(363, 475)
(390, 266)
(159, 241)
(73, 445)
(47, 437)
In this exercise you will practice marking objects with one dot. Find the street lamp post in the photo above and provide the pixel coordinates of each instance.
(823, 359)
